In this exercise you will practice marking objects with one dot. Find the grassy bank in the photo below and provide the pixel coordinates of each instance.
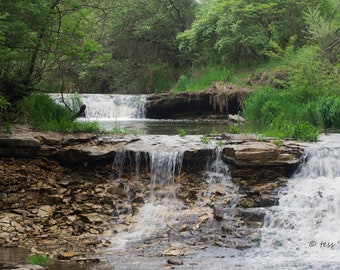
(297, 96)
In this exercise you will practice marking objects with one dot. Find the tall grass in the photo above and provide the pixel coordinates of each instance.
(200, 79)
(43, 113)
(39, 259)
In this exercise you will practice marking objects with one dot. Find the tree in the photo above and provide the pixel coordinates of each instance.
(143, 42)
(233, 31)
(38, 36)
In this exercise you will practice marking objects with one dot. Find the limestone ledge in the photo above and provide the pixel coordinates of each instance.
(241, 152)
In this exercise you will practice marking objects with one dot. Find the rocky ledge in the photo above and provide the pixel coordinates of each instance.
(76, 192)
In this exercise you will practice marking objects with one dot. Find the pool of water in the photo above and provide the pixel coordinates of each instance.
(166, 127)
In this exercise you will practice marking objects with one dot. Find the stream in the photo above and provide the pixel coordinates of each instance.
(301, 232)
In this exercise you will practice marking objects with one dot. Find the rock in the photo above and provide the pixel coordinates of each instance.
(183, 228)
(18, 145)
(45, 211)
(236, 118)
(67, 255)
(93, 218)
(219, 100)
(86, 260)
(31, 267)
(218, 212)
(71, 190)
(175, 262)
(175, 249)
(246, 202)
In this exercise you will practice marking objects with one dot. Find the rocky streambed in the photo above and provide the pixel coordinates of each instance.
(81, 194)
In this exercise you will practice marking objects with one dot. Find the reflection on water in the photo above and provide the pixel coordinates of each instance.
(167, 127)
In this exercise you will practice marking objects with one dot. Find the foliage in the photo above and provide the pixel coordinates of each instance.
(40, 36)
(329, 108)
(323, 29)
(200, 79)
(182, 132)
(4, 107)
(234, 129)
(310, 97)
(43, 113)
(4, 104)
(278, 143)
(39, 259)
(233, 31)
(205, 140)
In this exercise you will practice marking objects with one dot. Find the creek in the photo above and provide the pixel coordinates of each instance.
(300, 231)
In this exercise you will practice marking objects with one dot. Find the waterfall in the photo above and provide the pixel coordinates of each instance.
(153, 217)
(164, 166)
(107, 106)
(218, 177)
(303, 230)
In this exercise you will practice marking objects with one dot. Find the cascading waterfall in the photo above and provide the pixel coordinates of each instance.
(153, 217)
(108, 106)
(218, 177)
(163, 166)
(303, 231)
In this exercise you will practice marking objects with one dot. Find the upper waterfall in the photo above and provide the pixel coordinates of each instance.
(108, 106)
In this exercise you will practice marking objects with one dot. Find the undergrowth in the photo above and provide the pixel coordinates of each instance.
(309, 102)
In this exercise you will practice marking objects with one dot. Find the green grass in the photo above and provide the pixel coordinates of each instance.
(39, 259)
(44, 114)
(200, 79)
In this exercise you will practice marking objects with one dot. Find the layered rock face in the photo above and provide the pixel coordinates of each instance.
(217, 101)
(67, 191)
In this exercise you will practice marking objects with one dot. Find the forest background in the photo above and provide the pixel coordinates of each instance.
(287, 51)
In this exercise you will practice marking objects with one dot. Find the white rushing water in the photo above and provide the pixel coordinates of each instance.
(303, 231)
(107, 107)
(162, 206)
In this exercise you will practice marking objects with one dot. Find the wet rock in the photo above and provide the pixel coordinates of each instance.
(184, 228)
(218, 212)
(175, 249)
(86, 260)
(247, 202)
(31, 267)
(175, 262)
(67, 255)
